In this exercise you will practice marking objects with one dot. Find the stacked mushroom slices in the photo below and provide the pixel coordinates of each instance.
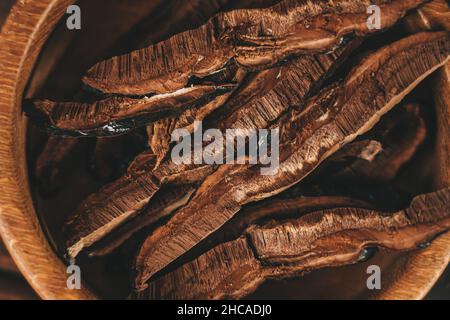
(220, 230)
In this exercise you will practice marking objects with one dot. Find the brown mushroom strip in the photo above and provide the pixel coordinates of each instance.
(132, 192)
(332, 119)
(401, 135)
(118, 115)
(261, 98)
(169, 201)
(295, 82)
(102, 212)
(165, 203)
(274, 208)
(282, 208)
(258, 38)
(434, 15)
(290, 248)
(160, 131)
(315, 26)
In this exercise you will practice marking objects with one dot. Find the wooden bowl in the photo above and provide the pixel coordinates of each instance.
(22, 38)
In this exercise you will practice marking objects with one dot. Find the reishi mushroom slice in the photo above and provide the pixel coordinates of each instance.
(257, 38)
(335, 117)
(288, 248)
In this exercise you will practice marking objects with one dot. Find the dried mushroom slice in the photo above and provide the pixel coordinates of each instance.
(434, 15)
(160, 131)
(294, 83)
(116, 203)
(124, 198)
(259, 100)
(289, 248)
(167, 201)
(314, 26)
(117, 115)
(332, 119)
(92, 229)
(257, 38)
(276, 208)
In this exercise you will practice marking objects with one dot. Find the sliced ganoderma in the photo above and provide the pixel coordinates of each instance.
(289, 248)
(165, 203)
(117, 115)
(112, 205)
(274, 208)
(260, 99)
(257, 38)
(312, 26)
(332, 119)
(434, 15)
(160, 131)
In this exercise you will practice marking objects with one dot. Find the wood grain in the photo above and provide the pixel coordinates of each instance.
(22, 37)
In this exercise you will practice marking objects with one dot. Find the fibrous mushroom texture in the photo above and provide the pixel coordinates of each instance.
(430, 16)
(257, 38)
(118, 115)
(130, 193)
(333, 118)
(288, 248)
(348, 102)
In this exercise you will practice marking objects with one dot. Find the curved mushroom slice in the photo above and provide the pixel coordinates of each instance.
(260, 38)
(165, 67)
(271, 209)
(120, 201)
(124, 197)
(290, 248)
(171, 200)
(160, 132)
(315, 26)
(118, 115)
(401, 134)
(165, 203)
(90, 229)
(260, 99)
(332, 119)
(283, 208)
(292, 85)
(434, 15)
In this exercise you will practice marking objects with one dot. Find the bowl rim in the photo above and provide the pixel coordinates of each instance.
(22, 37)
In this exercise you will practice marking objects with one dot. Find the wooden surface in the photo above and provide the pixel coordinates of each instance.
(13, 285)
(21, 39)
